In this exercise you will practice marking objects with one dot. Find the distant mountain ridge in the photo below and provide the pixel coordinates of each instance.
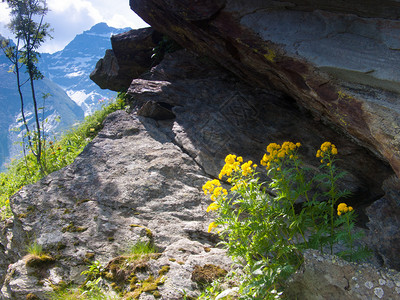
(57, 106)
(70, 68)
(73, 94)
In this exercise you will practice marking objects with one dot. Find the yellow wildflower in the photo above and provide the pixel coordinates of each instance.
(211, 226)
(343, 208)
(230, 159)
(210, 185)
(246, 168)
(212, 206)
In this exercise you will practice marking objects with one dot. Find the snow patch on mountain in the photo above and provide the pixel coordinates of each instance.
(70, 68)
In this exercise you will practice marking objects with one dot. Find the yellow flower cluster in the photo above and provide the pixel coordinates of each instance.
(343, 208)
(211, 226)
(210, 185)
(212, 206)
(247, 168)
(277, 152)
(214, 187)
(232, 164)
(326, 149)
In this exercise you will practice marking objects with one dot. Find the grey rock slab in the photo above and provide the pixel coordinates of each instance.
(131, 183)
(337, 59)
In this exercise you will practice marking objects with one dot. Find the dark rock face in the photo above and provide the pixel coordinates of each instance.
(339, 60)
(217, 114)
(384, 216)
(130, 57)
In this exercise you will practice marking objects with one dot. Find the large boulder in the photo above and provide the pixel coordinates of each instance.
(384, 224)
(131, 183)
(337, 59)
(130, 57)
(217, 114)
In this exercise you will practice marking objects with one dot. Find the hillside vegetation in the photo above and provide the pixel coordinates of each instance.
(58, 153)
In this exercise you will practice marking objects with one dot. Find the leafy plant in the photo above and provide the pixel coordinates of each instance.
(91, 289)
(30, 32)
(35, 249)
(139, 249)
(260, 224)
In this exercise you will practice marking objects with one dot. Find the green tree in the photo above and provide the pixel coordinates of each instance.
(30, 32)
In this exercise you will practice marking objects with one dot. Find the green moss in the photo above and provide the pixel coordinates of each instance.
(89, 255)
(72, 228)
(149, 285)
(35, 261)
(22, 216)
(207, 274)
(115, 287)
(60, 246)
(149, 234)
(164, 270)
(156, 294)
(172, 259)
(32, 296)
(62, 285)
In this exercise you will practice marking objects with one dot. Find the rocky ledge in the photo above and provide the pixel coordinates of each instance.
(339, 60)
(140, 180)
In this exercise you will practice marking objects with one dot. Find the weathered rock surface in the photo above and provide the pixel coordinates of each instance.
(217, 114)
(339, 60)
(329, 277)
(130, 57)
(131, 174)
(141, 178)
(384, 221)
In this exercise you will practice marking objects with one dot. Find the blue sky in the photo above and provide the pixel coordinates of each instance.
(71, 17)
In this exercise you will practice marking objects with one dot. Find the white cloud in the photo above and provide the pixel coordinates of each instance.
(69, 18)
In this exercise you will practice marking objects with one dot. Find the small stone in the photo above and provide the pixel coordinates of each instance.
(369, 285)
(379, 292)
(382, 281)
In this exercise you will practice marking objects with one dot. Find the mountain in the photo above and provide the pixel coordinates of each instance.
(70, 68)
(57, 106)
(73, 94)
